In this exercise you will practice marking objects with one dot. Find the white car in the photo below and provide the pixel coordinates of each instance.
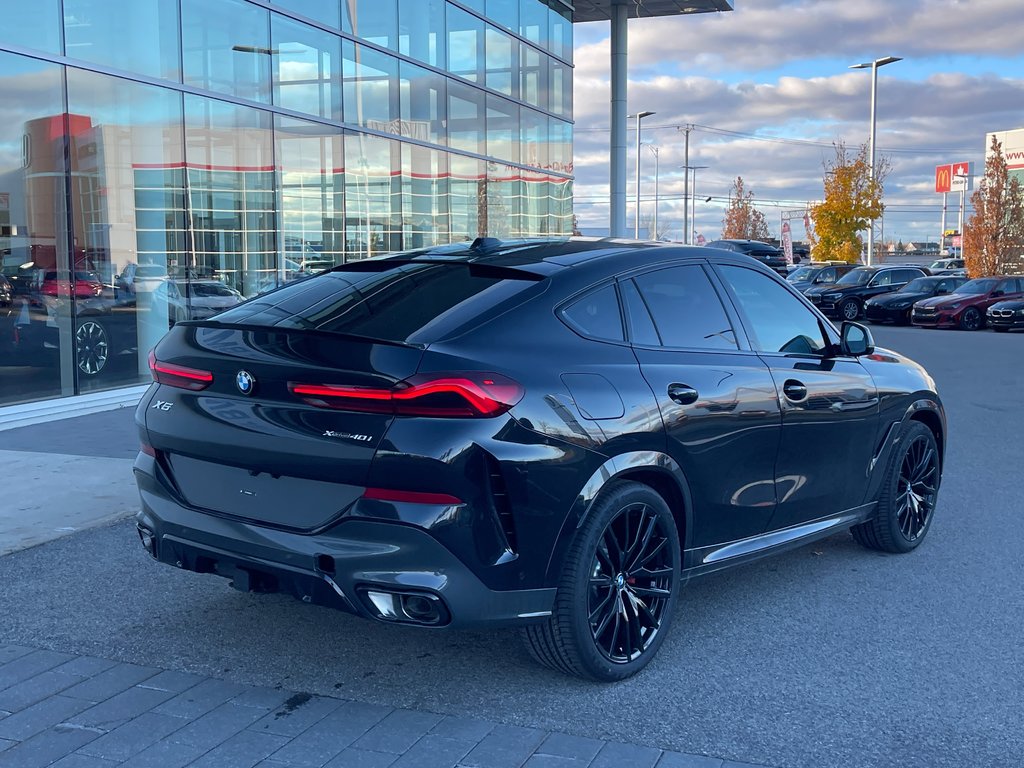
(195, 299)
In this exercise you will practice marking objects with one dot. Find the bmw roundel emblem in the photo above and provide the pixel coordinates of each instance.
(245, 382)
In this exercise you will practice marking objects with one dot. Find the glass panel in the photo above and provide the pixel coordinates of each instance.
(686, 309)
(502, 129)
(560, 90)
(504, 12)
(33, 25)
(229, 152)
(226, 47)
(534, 138)
(371, 88)
(466, 118)
(504, 202)
(424, 197)
(533, 21)
(559, 145)
(375, 21)
(126, 34)
(35, 314)
(421, 30)
(465, 45)
(423, 104)
(468, 198)
(560, 207)
(641, 327)
(307, 68)
(560, 31)
(597, 315)
(535, 203)
(128, 213)
(311, 184)
(533, 77)
(502, 61)
(476, 5)
(328, 12)
(777, 320)
(373, 194)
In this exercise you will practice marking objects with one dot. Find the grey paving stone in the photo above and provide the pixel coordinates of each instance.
(575, 747)
(398, 731)
(85, 666)
(12, 652)
(216, 726)
(6, 744)
(47, 747)
(30, 665)
(175, 682)
(617, 755)
(133, 737)
(680, 760)
(200, 699)
(78, 760)
(167, 754)
(37, 718)
(462, 728)
(323, 740)
(297, 714)
(34, 689)
(359, 758)
(243, 750)
(119, 709)
(435, 752)
(507, 746)
(554, 761)
(110, 682)
(262, 698)
(734, 764)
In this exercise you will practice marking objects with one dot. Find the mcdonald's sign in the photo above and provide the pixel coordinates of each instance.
(943, 178)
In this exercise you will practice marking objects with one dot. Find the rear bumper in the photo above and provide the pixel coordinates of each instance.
(332, 568)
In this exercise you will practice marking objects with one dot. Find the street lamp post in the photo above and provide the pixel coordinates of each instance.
(656, 151)
(874, 65)
(693, 204)
(639, 116)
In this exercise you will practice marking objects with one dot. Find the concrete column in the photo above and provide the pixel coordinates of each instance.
(617, 186)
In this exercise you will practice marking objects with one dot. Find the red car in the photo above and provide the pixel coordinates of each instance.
(86, 285)
(965, 308)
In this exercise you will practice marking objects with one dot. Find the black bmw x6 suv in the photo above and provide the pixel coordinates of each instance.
(554, 435)
(845, 300)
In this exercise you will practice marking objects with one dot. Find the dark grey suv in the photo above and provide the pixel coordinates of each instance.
(767, 254)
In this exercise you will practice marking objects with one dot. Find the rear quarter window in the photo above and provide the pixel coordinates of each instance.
(596, 315)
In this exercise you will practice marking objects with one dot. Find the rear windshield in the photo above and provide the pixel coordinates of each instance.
(410, 303)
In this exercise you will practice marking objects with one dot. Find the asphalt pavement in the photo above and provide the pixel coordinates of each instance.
(830, 655)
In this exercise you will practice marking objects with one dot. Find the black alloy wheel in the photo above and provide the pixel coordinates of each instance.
(849, 310)
(907, 502)
(92, 348)
(971, 319)
(619, 589)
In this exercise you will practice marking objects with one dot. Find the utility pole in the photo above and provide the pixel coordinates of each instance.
(686, 182)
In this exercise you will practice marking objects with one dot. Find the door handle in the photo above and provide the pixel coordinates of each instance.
(682, 394)
(794, 390)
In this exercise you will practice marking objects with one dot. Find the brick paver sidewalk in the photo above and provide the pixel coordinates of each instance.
(85, 712)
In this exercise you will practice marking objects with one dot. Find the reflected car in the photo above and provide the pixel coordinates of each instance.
(140, 278)
(1006, 316)
(6, 292)
(896, 307)
(845, 300)
(86, 285)
(379, 439)
(767, 254)
(966, 307)
(810, 275)
(195, 299)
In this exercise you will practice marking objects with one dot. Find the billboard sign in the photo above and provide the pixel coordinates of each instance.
(787, 242)
(961, 180)
(943, 179)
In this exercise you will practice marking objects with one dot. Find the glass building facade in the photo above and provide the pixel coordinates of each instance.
(161, 160)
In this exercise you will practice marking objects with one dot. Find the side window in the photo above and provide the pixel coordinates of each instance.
(778, 320)
(945, 285)
(641, 327)
(686, 310)
(596, 315)
(827, 275)
(906, 275)
(882, 278)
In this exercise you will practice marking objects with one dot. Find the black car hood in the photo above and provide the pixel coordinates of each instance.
(1009, 304)
(819, 289)
(888, 299)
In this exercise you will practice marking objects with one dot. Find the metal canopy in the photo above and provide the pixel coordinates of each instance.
(601, 10)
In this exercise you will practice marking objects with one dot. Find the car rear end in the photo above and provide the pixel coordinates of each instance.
(310, 442)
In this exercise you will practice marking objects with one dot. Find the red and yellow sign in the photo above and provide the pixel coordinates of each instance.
(943, 178)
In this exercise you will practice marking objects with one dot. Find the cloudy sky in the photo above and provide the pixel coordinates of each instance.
(768, 90)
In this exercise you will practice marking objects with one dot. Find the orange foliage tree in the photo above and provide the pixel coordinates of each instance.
(994, 234)
(742, 220)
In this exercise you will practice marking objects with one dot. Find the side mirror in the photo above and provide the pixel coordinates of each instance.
(856, 340)
(941, 292)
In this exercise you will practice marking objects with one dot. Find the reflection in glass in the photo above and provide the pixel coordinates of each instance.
(328, 13)
(560, 91)
(371, 88)
(502, 61)
(559, 145)
(533, 132)
(373, 196)
(226, 47)
(466, 118)
(504, 12)
(424, 197)
(560, 31)
(35, 327)
(465, 45)
(502, 129)
(311, 188)
(421, 30)
(468, 198)
(33, 25)
(125, 34)
(230, 184)
(423, 104)
(307, 68)
(533, 21)
(375, 21)
(504, 201)
(533, 77)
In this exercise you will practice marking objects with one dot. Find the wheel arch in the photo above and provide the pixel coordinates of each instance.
(654, 469)
(932, 419)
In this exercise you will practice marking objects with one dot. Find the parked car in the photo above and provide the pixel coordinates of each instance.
(195, 299)
(1004, 316)
(942, 266)
(805, 277)
(846, 298)
(140, 278)
(966, 307)
(85, 285)
(767, 254)
(452, 475)
(895, 307)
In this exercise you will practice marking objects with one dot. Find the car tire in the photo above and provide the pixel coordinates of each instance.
(971, 320)
(849, 310)
(906, 504)
(618, 590)
(92, 347)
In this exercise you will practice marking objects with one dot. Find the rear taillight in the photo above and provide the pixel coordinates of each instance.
(465, 394)
(178, 375)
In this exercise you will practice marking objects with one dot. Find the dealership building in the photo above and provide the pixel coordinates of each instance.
(163, 159)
